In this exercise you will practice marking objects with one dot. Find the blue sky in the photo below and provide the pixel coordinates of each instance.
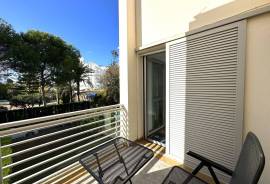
(90, 25)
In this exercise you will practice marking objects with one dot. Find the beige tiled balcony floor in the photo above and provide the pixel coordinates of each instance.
(152, 173)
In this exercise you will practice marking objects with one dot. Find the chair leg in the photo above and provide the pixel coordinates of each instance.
(194, 172)
(198, 168)
(213, 175)
(121, 158)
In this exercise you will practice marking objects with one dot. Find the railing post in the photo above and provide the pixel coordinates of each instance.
(117, 117)
(123, 122)
(1, 164)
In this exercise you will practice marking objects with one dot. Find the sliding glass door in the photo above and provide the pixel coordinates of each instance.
(155, 97)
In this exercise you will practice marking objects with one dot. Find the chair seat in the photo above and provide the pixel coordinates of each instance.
(178, 175)
(116, 161)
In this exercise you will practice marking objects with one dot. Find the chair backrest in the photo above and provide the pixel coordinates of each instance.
(250, 163)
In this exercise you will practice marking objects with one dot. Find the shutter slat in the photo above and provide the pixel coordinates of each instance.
(205, 48)
(207, 55)
(226, 58)
(211, 37)
(203, 95)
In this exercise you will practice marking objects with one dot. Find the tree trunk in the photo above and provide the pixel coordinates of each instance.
(32, 100)
(43, 95)
(42, 85)
(70, 92)
(57, 96)
(78, 90)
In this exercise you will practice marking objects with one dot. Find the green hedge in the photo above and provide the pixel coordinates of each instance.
(27, 113)
(6, 161)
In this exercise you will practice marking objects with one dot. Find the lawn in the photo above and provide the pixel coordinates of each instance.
(6, 151)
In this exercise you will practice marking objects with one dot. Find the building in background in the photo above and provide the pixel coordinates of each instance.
(91, 84)
(91, 81)
(8, 76)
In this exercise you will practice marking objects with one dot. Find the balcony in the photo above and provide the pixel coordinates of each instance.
(46, 149)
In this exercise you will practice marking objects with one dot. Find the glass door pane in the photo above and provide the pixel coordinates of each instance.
(155, 97)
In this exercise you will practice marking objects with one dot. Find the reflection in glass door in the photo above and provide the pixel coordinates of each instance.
(155, 97)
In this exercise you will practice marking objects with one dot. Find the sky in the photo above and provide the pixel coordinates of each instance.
(89, 25)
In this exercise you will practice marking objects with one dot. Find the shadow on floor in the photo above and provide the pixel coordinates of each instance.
(152, 173)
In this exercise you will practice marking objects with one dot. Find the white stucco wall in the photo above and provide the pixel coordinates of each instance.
(161, 19)
(154, 20)
(128, 65)
(257, 85)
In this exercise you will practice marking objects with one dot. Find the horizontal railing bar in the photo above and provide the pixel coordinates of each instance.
(56, 116)
(55, 165)
(55, 133)
(55, 141)
(52, 123)
(75, 166)
(59, 172)
(55, 149)
(66, 170)
(55, 157)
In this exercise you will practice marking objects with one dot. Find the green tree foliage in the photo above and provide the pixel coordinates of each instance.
(64, 73)
(110, 80)
(4, 91)
(45, 60)
(9, 43)
(40, 54)
(25, 100)
(72, 71)
(45, 64)
(80, 75)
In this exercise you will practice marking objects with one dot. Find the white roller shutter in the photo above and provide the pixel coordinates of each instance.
(205, 94)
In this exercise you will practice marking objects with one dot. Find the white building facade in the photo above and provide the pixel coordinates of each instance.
(194, 75)
(92, 80)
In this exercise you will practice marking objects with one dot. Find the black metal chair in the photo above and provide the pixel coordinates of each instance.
(116, 161)
(247, 171)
